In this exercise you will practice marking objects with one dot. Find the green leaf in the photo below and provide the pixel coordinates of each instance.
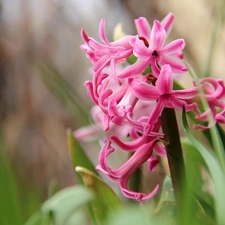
(78, 156)
(167, 202)
(63, 91)
(131, 215)
(10, 206)
(197, 177)
(215, 170)
(106, 201)
(61, 206)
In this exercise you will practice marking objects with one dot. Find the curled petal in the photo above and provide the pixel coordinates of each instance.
(142, 154)
(136, 195)
(213, 88)
(113, 109)
(103, 98)
(99, 168)
(102, 32)
(132, 145)
(89, 86)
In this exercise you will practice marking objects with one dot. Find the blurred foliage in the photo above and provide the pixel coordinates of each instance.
(63, 91)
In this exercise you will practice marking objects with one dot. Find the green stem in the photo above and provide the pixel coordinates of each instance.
(174, 155)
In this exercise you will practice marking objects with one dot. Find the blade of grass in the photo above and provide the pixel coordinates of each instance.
(78, 155)
(10, 206)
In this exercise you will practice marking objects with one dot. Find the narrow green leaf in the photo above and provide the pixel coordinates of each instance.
(215, 170)
(221, 134)
(197, 178)
(78, 156)
(10, 207)
(106, 201)
(63, 91)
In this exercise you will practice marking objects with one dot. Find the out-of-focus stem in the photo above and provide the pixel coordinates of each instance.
(174, 155)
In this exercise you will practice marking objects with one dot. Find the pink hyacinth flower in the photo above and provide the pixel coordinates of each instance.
(164, 94)
(214, 93)
(124, 173)
(108, 53)
(150, 48)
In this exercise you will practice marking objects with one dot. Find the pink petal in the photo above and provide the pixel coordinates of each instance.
(136, 195)
(143, 27)
(167, 23)
(155, 67)
(160, 149)
(102, 32)
(174, 46)
(158, 36)
(87, 133)
(143, 90)
(186, 93)
(103, 98)
(176, 65)
(98, 66)
(132, 145)
(164, 84)
(124, 41)
(84, 36)
(141, 155)
(106, 121)
(152, 163)
(89, 86)
(135, 69)
(140, 50)
(154, 117)
(113, 109)
(113, 70)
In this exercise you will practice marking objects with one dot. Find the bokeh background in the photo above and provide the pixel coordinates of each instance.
(34, 33)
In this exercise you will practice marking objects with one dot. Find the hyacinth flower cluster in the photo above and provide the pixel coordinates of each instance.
(129, 98)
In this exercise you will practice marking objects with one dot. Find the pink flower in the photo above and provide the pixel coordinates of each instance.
(214, 93)
(97, 129)
(106, 54)
(123, 174)
(150, 49)
(164, 95)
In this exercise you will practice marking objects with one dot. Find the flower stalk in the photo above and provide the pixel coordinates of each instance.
(174, 154)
